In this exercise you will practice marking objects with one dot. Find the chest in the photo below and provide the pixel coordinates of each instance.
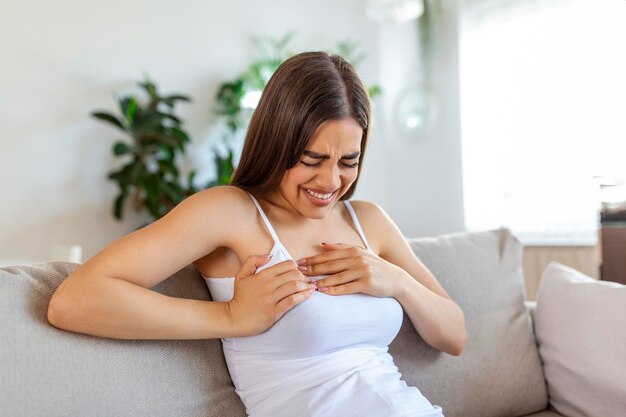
(299, 241)
(319, 325)
(324, 323)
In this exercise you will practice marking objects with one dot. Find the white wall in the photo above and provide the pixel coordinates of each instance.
(424, 173)
(64, 59)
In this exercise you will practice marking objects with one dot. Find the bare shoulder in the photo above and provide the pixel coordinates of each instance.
(230, 207)
(375, 221)
(390, 244)
(224, 194)
(200, 224)
(229, 200)
(367, 210)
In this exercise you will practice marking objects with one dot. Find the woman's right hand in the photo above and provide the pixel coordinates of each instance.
(259, 300)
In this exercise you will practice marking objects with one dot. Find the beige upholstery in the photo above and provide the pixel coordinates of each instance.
(49, 372)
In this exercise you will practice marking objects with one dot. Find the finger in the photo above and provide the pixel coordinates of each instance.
(348, 252)
(329, 267)
(251, 264)
(279, 268)
(339, 279)
(291, 301)
(349, 288)
(291, 275)
(291, 287)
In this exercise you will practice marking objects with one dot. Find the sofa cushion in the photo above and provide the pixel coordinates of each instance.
(499, 373)
(52, 372)
(581, 329)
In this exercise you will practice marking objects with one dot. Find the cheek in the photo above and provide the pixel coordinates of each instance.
(296, 177)
(349, 177)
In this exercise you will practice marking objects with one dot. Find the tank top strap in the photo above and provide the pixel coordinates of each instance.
(269, 226)
(356, 222)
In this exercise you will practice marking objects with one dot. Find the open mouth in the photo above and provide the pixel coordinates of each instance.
(319, 195)
(320, 199)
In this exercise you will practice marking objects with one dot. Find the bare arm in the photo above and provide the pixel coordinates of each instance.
(109, 295)
(391, 269)
(436, 317)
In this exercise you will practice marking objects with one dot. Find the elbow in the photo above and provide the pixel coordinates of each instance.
(55, 314)
(458, 347)
(61, 303)
(456, 344)
(59, 308)
(461, 338)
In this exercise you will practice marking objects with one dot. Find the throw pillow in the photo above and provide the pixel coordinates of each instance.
(499, 373)
(581, 331)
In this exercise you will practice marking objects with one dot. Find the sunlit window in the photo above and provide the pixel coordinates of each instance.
(543, 105)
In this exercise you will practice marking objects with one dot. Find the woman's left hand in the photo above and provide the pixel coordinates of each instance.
(353, 270)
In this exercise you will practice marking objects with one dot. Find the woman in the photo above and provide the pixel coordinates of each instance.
(305, 330)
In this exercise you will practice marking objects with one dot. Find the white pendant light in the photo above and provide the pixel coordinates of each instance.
(395, 11)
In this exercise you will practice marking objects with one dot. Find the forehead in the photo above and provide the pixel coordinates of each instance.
(341, 135)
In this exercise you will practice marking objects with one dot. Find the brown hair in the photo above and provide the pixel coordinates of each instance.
(305, 91)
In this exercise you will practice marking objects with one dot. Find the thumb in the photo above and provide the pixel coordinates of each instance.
(251, 264)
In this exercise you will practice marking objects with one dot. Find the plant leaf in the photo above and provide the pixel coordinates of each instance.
(172, 190)
(108, 118)
(119, 205)
(131, 110)
(180, 134)
(121, 148)
(171, 100)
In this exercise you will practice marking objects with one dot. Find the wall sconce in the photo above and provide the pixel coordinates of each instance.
(414, 110)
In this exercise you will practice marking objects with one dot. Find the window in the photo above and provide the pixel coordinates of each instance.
(543, 111)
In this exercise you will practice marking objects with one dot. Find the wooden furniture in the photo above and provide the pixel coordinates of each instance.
(613, 249)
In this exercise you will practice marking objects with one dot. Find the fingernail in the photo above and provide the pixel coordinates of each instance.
(322, 289)
(312, 287)
(312, 281)
(301, 261)
(302, 268)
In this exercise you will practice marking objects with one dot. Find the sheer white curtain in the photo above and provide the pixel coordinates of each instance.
(543, 105)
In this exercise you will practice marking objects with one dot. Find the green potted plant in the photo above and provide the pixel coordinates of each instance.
(155, 135)
(154, 138)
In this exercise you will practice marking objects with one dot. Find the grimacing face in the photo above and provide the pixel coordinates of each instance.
(325, 171)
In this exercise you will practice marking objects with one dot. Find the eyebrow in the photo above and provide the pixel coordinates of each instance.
(316, 155)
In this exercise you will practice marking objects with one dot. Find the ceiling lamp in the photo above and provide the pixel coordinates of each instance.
(395, 11)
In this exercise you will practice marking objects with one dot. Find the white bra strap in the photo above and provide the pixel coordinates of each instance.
(266, 220)
(356, 222)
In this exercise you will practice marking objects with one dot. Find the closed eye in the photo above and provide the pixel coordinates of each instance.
(311, 165)
(354, 165)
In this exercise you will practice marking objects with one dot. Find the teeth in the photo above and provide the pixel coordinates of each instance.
(320, 196)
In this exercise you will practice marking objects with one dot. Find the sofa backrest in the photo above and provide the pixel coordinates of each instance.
(49, 372)
(499, 373)
(45, 371)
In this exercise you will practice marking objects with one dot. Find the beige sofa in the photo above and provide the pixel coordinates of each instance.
(49, 372)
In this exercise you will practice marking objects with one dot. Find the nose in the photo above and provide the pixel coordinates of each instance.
(329, 178)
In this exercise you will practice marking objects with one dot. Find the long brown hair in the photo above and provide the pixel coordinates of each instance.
(305, 91)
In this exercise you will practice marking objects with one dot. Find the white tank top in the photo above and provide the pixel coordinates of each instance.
(327, 356)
